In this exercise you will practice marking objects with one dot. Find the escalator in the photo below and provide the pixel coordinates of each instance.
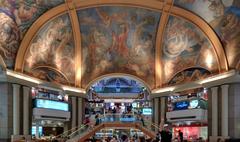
(84, 132)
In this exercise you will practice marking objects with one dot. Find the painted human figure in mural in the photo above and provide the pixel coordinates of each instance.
(24, 13)
(92, 48)
(119, 42)
(227, 23)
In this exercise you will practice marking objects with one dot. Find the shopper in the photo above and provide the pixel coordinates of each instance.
(180, 135)
(97, 120)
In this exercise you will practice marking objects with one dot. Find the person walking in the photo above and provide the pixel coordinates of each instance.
(180, 135)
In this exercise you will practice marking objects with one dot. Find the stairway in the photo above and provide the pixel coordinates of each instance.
(81, 137)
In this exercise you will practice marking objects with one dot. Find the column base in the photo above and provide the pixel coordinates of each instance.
(16, 138)
(217, 138)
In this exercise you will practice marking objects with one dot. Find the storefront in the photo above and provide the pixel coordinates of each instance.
(188, 113)
(50, 112)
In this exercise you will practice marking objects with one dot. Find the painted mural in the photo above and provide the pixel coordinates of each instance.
(224, 17)
(185, 46)
(118, 40)
(25, 12)
(16, 17)
(51, 53)
(188, 75)
(9, 39)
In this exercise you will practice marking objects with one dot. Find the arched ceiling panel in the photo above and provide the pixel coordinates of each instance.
(224, 17)
(185, 46)
(188, 75)
(51, 54)
(25, 12)
(16, 17)
(117, 39)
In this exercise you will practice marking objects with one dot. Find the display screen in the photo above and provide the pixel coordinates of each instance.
(193, 104)
(40, 130)
(134, 104)
(49, 104)
(181, 105)
(147, 111)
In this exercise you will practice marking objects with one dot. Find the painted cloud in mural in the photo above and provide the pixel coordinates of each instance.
(118, 39)
(16, 17)
(25, 12)
(53, 48)
(224, 17)
(185, 46)
(9, 39)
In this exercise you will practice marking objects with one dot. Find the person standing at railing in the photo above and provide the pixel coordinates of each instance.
(114, 113)
(142, 119)
(158, 137)
(86, 121)
(97, 120)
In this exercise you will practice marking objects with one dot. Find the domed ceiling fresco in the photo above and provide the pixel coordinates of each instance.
(75, 42)
(185, 46)
(224, 17)
(118, 39)
(16, 17)
(51, 54)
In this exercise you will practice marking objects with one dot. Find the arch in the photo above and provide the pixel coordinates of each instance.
(152, 5)
(208, 31)
(2, 64)
(193, 74)
(117, 75)
(54, 70)
(24, 46)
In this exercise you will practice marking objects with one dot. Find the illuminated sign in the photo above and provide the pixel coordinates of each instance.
(34, 130)
(49, 104)
(193, 104)
(147, 111)
(134, 104)
(181, 105)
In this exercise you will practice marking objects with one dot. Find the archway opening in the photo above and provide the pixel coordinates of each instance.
(116, 99)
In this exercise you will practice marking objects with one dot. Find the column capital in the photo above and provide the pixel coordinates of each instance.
(16, 85)
(214, 89)
(225, 86)
(26, 87)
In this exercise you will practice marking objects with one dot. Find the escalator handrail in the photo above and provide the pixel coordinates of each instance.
(77, 127)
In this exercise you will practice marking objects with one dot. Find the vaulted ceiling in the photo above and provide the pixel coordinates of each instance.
(160, 42)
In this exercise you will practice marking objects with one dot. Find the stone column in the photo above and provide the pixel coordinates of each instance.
(37, 129)
(214, 111)
(16, 109)
(163, 111)
(74, 111)
(156, 111)
(225, 116)
(80, 111)
(26, 93)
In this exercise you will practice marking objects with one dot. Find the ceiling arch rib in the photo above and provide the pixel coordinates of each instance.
(161, 27)
(77, 40)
